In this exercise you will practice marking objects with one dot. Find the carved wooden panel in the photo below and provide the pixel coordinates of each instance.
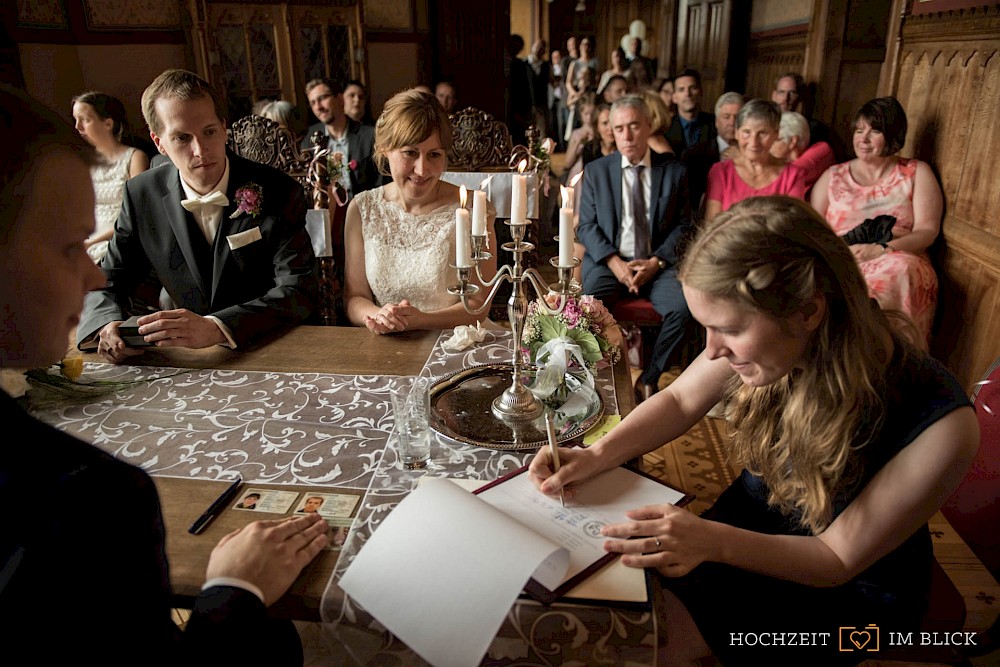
(771, 56)
(703, 43)
(479, 141)
(949, 84)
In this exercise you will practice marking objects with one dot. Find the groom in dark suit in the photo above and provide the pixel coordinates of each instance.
(633, 211)
(356, 142)
(224, 236)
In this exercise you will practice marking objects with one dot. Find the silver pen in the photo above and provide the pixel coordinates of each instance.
(554, 450)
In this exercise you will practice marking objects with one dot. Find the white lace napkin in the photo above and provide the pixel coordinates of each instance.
(465, 336)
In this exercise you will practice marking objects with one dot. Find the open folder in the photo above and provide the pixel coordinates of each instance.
(446, 563)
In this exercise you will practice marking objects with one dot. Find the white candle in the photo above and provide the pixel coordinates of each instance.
(566, 237)
(519, 200)
(463, 240)
(479, 213)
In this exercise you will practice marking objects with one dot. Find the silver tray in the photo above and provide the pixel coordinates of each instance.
(461, 409)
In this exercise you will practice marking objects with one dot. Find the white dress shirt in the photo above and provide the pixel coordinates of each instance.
(208, 218)
(626, 240)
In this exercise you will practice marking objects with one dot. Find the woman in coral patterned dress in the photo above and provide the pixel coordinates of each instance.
(898, 272)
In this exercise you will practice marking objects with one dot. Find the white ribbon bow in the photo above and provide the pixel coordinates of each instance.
(555, 354)
(214, 198)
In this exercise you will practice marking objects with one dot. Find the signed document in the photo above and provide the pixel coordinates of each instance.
(446, 563)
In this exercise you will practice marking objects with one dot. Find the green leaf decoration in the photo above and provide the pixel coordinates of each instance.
(588, 343)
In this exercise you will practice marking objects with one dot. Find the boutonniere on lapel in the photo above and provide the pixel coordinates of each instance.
(353, 165)
(249, 199)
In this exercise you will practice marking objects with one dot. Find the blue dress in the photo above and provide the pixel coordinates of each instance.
(737, 611)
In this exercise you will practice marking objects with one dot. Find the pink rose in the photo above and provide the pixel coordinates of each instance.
(353, 164)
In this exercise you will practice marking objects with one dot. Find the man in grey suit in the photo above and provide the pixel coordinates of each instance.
(634, 210)
(354, 141)
(223, 236)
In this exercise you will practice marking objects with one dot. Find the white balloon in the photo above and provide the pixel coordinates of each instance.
(637, 29)
(627, 42)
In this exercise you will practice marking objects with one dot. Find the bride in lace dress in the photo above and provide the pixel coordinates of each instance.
(400, 239)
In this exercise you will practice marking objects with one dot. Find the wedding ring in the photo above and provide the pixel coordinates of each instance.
(656, 541)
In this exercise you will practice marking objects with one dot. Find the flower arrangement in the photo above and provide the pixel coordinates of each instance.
(249, 199)
(543, 154)
(335, 172)
(584, 322)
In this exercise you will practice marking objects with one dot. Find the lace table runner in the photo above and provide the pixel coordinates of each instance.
(274, 428)
(531, 634)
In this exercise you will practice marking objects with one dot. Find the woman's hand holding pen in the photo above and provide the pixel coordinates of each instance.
(669, 538)
(576, 465)
(269, 554)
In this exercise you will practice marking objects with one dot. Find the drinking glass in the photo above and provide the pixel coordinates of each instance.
(411, 408)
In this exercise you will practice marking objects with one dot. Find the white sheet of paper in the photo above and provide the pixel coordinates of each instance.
(598, 502)
(441, 567)
(318, 227)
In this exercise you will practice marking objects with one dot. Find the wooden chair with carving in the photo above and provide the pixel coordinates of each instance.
(482, 143)
(262, 140)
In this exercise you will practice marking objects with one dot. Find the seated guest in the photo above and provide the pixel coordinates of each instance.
(850, 439)
(619, 67)
(400, 238)
(344, 135)
(792, 145)
(878, 183)
(284, 114)
(584, 91)
(225, 237)
(101, 121)
(790, 94)
(615, 89)
(665, 87)
(92, 586)
(356, 103)
(659, 120)
(754, 172)
(631, 240)
(726, 108)
(446, 96)
(601, 145)
(692, 133)
(587, 106)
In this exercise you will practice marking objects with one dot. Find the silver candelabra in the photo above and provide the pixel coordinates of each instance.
(517, 403)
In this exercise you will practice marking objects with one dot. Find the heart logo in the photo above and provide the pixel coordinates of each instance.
(860, 639)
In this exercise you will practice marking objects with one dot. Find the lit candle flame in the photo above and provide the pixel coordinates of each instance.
(486, 181)
(565, 196)
(521, 166)
(576, 179)
(462, 196)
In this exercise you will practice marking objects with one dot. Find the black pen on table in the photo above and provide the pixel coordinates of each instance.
(554, 451)
(216, 507)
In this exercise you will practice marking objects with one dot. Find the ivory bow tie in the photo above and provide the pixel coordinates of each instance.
(214, 198)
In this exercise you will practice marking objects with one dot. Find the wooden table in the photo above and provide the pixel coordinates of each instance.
(335, 350)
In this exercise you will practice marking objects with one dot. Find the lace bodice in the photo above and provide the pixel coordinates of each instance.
(409, 256)
(109, 188)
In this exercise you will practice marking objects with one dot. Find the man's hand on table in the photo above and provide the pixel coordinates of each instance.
(110, 345)
(180, 328)
(269, 554)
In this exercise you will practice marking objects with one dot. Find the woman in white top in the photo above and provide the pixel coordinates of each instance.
(400, 239)
(100, 119)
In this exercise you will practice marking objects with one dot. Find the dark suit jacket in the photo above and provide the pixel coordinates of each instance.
(601, 207)
(360, 147)
(253, 290)
(538, 84)
(699, 157)
(85, 578)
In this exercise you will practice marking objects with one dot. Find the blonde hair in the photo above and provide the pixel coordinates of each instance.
(659, 114)
(774, 255)
(407, 119)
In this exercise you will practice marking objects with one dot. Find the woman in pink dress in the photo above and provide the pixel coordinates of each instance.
(877, 182)
(754, 172)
